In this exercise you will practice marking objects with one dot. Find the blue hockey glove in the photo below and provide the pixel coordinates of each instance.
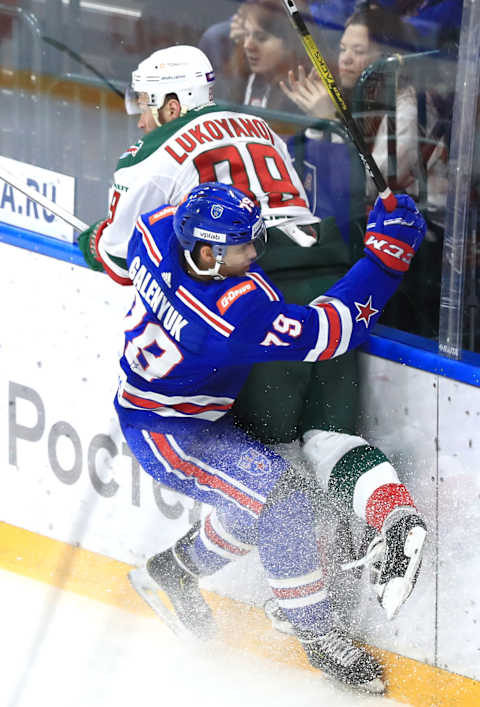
(392, 238)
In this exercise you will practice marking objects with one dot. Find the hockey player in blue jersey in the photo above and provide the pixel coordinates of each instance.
(203, 313)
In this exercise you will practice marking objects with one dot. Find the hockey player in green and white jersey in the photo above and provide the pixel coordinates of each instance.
(189, 139)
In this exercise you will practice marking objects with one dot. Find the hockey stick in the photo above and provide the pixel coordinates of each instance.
(63, 48)
(46, 203)
(323, 71)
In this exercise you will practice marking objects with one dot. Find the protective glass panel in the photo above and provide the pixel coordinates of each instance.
(65, 67)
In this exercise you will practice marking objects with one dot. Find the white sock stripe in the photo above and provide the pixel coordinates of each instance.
(368, 482)
(300, 602)
(295, 582)
(230, 539)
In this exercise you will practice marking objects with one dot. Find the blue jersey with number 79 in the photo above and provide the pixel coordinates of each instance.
(190, 344)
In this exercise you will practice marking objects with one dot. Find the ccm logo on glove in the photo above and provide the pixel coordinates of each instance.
(395, 254)
(392, 238)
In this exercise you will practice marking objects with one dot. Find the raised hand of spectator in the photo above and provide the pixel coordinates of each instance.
(237, 28)
(309, 93)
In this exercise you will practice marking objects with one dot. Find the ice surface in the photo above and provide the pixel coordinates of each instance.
(63, 650)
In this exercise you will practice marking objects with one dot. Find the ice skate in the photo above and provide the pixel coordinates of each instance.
(279, 621)
(339, 657)
(395, 557)
(174, 573)
(395, 571)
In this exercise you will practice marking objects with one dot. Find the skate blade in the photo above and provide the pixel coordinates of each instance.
(374, 687)
(398, 589)
(148, 590)
(278, 623)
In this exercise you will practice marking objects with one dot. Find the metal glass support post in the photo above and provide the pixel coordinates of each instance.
(459, 179)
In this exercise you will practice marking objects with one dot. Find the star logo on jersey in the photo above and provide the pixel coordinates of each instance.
(365, 311)
(254, 462)
(167, 278)
(132, 150)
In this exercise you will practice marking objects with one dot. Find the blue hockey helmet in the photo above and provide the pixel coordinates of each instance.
(221, 216)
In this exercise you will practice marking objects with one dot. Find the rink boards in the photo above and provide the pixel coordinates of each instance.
(78, 511)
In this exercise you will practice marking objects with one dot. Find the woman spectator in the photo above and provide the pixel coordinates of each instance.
(371, 33)
(265, 51)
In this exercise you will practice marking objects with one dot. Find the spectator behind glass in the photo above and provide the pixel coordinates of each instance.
(267, 50)
(326, 19)
(218, 42)
(371, 33)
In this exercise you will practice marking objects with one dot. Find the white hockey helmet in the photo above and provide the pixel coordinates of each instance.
(183, 70)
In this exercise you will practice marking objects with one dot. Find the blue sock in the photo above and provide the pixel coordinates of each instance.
(289, 553)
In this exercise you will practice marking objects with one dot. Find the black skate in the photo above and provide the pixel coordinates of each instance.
(394, 571)
(339, 657)
(395, 557)
(173, 572)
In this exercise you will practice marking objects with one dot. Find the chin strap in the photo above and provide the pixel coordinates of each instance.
(212, 272)
(154, 112)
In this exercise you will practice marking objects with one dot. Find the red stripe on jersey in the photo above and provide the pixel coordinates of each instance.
(187, 408)
(141, 402)
(384, 500)
(204, 477)
(302, 591)
(149, 243)
(266, 287)
(334, 331)
(204, 312)
(190, 408)
(216, 539)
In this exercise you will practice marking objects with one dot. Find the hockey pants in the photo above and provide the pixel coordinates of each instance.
(257, 501)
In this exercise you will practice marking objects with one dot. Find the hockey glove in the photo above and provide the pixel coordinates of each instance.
(87, 244)
(392, 238)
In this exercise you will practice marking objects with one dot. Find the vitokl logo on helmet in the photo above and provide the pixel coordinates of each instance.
(205, 235)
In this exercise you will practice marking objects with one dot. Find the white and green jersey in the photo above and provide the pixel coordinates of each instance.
(208, 144)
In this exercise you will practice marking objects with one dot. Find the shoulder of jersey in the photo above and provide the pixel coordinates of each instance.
(151, 142)
(229, 304)
(242, 295)
(154, 228)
